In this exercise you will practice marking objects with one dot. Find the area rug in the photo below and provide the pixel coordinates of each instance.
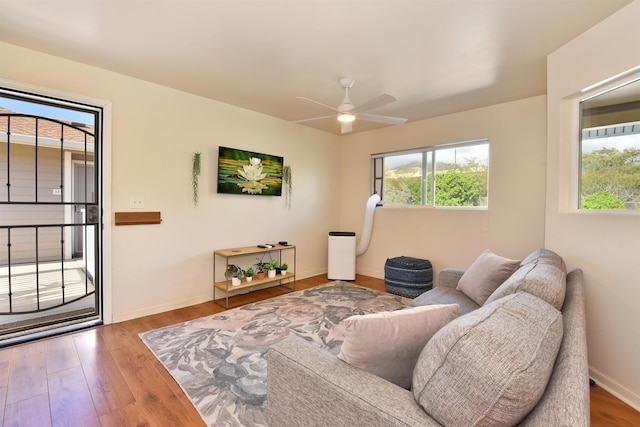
(220, 360)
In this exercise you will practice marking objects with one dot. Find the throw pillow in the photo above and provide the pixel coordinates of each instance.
(542, 280)
(489, 367)
(545, 256)
(485, 275)
(445, 295)
(388, 344)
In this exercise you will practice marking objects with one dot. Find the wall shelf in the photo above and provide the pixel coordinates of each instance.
(137, 218)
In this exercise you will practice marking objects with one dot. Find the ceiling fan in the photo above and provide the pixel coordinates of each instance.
(346, 112)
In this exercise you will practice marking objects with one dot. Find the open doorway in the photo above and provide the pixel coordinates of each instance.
(50, 214)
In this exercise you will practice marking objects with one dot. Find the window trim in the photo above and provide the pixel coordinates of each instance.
(377, 162)
(592, 91)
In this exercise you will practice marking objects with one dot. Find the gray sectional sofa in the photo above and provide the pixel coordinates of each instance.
(515, 355)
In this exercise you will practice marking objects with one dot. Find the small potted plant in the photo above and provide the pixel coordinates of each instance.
(261, 270)
(234, 273)
(249, 273)
(283, 268)
(272, 265)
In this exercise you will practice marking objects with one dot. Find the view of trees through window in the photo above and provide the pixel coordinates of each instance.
(610, 149)
(460, 176)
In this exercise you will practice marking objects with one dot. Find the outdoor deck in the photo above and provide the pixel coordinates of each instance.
(38, 294)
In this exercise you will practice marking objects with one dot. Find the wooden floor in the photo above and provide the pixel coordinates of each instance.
(105, 376)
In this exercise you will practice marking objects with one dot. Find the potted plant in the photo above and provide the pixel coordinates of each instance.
(283, 268)
(261, 270)
(272, 265)
(287, 180)
(249, 273)
(234, 273)
(195, 174)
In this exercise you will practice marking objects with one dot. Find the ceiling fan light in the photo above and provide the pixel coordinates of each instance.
(346, 118)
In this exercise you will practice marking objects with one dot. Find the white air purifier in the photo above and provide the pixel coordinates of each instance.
(342, 255)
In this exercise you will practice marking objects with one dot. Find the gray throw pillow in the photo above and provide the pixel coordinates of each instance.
(445, 295)
(485, 275)
(489, 367)
(545, 256)
(542, 280)
(388, 344)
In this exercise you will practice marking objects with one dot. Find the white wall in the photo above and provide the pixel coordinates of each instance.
(605, 246)
(154, 133)
(513, 226)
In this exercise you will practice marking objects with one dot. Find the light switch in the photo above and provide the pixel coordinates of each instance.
(136, 202)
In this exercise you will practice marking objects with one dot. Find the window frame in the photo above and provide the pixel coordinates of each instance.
(377, 165)
(586, 94)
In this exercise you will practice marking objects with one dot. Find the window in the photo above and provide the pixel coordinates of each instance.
(454, 175)
(610, 149)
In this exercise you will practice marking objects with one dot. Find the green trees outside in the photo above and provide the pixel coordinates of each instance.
(611, 179)
(602, 200)
(455, 188)
(403, 191)
(456, 185)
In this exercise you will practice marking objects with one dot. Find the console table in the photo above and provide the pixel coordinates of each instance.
(224, 255)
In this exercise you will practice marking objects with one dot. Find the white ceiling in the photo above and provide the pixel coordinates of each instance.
(434, 56)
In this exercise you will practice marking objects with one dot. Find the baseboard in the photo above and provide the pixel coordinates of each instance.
(148, 311)
(371, 273)
(613, 387)
(174, 305)
(311, 273)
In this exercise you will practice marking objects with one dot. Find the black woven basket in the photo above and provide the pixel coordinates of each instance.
(407, 276)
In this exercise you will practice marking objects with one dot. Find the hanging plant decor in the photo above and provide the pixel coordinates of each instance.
(286, 178)
(195, 174)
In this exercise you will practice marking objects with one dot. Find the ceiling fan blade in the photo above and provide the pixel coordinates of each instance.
(381, 119)
(346, 127)
(318, 103)
(376, 102)
(313, 118)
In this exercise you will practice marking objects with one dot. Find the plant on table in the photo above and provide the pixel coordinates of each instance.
(283, 268)
(234, 273)
(271, 268)
(261, 269)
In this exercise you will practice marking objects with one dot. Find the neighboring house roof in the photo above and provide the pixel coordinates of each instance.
(47, 128)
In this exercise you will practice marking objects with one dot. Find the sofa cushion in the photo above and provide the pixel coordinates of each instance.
(484, 276)
(545, 256)
(542, 280)
(491, 366)
(445, 295)
(388, 344)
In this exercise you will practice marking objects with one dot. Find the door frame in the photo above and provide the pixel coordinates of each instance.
(104, 170)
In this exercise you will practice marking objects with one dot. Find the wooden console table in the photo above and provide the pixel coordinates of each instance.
(224, 255)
